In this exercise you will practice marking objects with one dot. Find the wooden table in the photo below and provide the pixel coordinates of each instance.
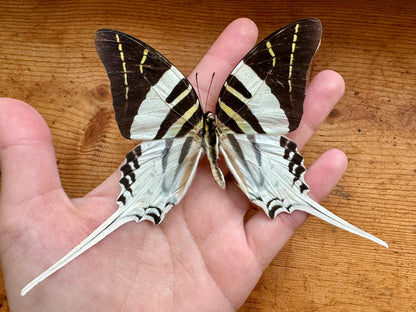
(48, 59)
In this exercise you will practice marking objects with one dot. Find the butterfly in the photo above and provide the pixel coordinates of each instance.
(260, 102)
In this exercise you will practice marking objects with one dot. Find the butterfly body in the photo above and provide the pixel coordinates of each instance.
(260, 102)
(211, 143)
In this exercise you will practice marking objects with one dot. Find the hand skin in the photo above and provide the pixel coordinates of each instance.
(203, 257)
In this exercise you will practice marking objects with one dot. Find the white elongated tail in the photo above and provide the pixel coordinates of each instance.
(304, 203)
(110, 225)
(317, 210)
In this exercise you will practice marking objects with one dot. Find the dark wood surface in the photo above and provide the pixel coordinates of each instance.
(48, 59)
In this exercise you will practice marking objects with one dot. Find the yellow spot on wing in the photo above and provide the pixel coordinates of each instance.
(292, 56)
(200, 123)
(228, 110)
(144, 57)
(174, 129)
(269, 47)
(123, 64)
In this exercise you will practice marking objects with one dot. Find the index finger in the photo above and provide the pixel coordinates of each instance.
(230, 47)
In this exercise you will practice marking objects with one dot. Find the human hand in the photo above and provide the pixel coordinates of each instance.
(204, 256)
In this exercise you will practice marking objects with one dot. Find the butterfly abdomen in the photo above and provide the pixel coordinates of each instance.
(211, 141)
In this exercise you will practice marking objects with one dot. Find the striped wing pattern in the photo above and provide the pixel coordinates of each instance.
(260, 102)
(151, 98)
(156, 175)
(248, 156)
(265, 92)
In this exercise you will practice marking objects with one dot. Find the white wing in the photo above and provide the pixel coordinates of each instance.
(269, 170)
(155, 177)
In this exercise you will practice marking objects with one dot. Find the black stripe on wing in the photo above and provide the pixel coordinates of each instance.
(295, 162)
(282, 59)
(256, 176)
(179, 110)
(237, 105)
(127, 170)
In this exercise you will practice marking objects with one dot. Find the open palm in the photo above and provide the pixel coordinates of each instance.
(205, 256)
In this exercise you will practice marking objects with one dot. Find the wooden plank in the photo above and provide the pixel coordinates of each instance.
(48, 59)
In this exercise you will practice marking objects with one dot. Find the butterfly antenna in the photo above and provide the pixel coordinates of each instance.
(209, 88)
(197, 86)
(199, 91)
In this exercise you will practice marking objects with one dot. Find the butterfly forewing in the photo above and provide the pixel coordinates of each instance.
(265, 92)
(151, 98)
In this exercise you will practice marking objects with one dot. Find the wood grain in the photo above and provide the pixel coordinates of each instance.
(48, 59)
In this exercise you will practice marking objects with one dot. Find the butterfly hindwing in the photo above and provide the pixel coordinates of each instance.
(156, 175)
(265, 92)
(270, 171)
(151, 98)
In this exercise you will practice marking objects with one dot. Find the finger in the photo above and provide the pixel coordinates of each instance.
(103, 196)
(27, 156)
(266, 237)
(229, 49)
(322, 94)
(108, 189)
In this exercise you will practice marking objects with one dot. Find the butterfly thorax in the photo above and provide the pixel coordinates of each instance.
(211, 141)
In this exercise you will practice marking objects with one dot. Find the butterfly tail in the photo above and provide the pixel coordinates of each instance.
(111, 224)
(317, 210)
